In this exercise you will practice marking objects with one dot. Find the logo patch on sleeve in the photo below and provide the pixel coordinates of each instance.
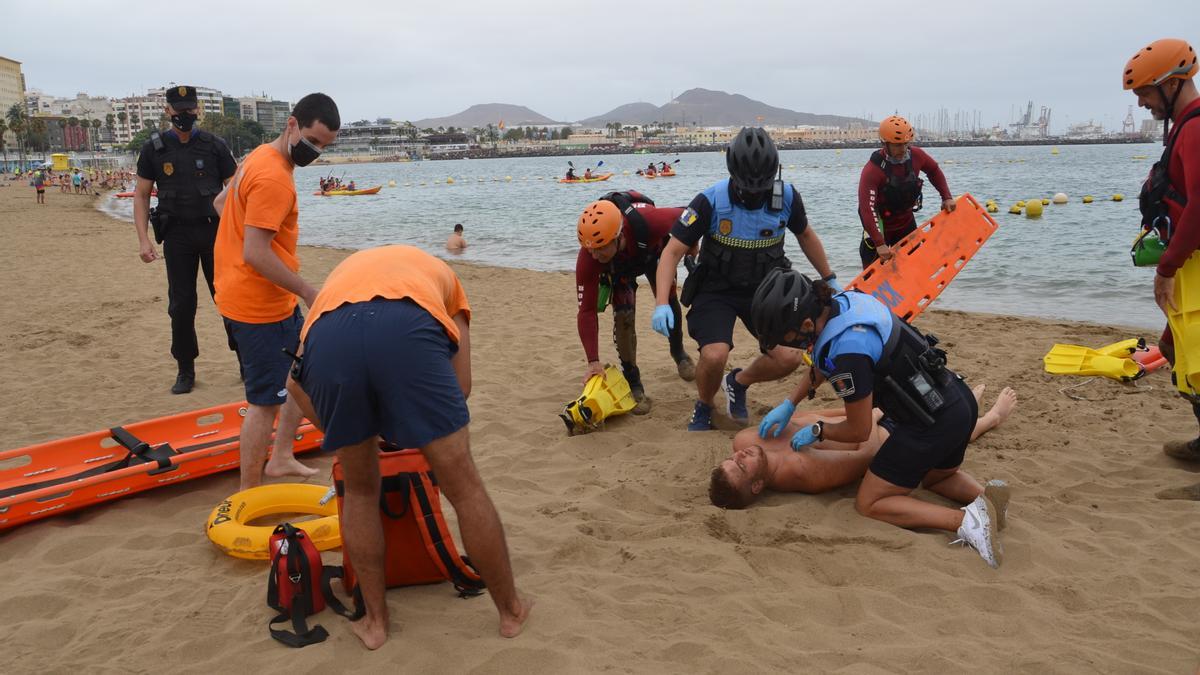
(688, 217)
(843, 384)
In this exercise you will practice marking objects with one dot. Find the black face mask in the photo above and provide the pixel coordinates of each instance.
(752, 200)
(804, 340)
(183, 121)
(303, 152)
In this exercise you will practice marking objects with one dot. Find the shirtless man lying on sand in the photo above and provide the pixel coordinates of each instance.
(771, 464)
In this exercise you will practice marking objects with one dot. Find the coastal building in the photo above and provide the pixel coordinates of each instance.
(134, 113)
(83, 106)
(12, 90)
(377, 139)
(269, 113)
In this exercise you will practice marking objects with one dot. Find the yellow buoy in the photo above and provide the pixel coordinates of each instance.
(1060, 198)
(508, 179)
(1087, 199)
(1021, 203)
(449, 181)
(1033, 208)
(1014, 209)
(992, 208)
(623, 173)
(1054, 151)
(1140, 156)
(391, 183)
(1045, 201)
(1118, 197)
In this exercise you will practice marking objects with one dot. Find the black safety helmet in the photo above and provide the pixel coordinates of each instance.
(782, 302)
(752, 160)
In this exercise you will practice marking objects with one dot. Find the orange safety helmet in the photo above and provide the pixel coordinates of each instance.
(1158, 62)
(599, 224)
(895, 129)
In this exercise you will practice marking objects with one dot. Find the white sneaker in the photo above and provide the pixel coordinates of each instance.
(999, 493)
(978, 531)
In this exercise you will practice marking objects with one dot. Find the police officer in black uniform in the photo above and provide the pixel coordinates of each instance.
(189, 166)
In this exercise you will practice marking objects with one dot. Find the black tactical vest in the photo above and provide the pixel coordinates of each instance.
(187, 176)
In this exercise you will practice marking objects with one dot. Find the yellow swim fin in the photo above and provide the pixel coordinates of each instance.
(1124, 349)
(603, 397)
(1076, 360)
(1185, 327)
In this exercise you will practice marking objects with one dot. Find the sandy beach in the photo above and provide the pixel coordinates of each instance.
(612, 533)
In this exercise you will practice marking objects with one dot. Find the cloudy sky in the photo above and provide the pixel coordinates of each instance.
(570, 60)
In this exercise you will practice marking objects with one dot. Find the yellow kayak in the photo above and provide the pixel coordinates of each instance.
(593, 179)
(349, 193)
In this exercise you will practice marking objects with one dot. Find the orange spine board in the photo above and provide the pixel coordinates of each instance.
(206, 441)
(928, 259)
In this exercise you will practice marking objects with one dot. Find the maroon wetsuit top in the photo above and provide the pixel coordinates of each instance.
(870, 209)
(588, 270)
(1183, 170)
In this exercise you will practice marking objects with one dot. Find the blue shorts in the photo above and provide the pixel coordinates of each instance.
(260, 350)
(382, 368)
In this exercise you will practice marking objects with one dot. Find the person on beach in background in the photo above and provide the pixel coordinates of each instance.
(743, 221)
(257, 281)
(872, 358)
(387, 354)
(621, 237)
(759, 464)
(39, 184)
(189, 166)
(1160, 75)
(889, 190)
(455, 242)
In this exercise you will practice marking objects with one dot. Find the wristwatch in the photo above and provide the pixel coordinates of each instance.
(831, 277)
(819, 430)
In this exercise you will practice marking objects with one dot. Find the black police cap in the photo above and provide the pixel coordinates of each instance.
(182, 96)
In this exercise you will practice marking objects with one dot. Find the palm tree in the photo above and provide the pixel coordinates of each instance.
(37, 129)
(73, 123)
(110, 124)
(16, 124)
(4, 144)
(95, 133)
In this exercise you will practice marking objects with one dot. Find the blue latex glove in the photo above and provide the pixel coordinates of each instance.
(806, 436)
(833, 283)
(776, 421)
(663, 320)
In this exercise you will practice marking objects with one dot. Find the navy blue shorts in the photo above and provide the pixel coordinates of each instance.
(382, 368)
(713, 315)
(910, 452)
(260, 350)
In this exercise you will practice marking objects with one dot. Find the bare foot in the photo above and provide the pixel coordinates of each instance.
(511, 626)
(288, 467)
(1005, 403)
(978, 391)
(372, 633)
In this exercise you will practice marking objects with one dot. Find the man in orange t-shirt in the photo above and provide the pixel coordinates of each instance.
(257, 282)
(387, 354)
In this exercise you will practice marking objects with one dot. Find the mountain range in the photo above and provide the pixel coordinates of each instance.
(698, 107)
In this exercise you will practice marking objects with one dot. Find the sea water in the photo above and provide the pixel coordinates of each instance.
(1071, 263)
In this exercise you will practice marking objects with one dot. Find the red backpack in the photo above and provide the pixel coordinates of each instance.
(419, 545)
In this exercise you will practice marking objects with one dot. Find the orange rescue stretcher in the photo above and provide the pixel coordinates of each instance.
(928, 259)
(65, 475)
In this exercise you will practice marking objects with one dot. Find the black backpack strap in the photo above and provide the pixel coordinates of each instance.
(641, 229)
(465, 585)
(334, 602)
(297, 569)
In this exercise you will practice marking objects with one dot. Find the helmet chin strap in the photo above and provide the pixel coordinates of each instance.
(1170, 111)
